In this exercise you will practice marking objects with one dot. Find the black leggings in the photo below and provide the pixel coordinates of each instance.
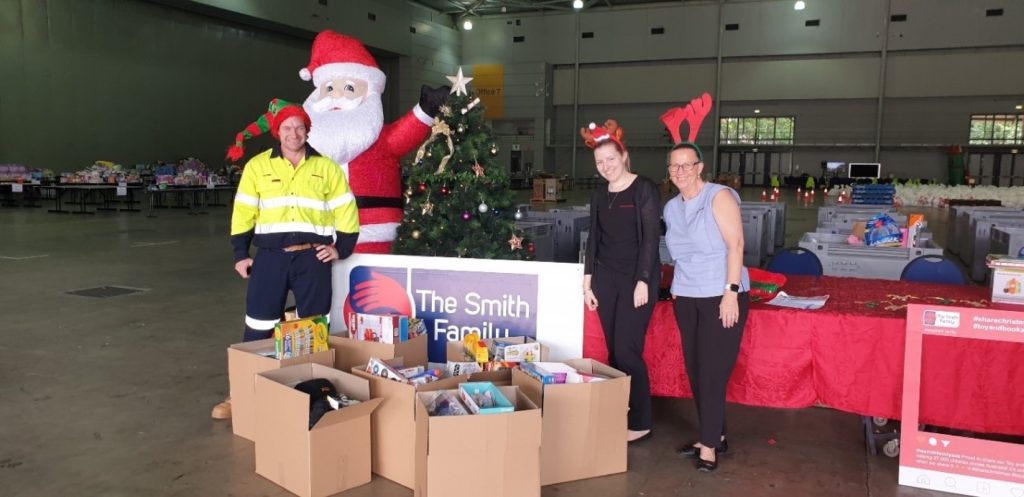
(710, 352)
(625, 329)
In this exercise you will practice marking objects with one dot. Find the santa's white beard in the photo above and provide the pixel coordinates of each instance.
(344, 134)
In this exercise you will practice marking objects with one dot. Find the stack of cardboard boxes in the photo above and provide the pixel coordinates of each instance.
(391, 433)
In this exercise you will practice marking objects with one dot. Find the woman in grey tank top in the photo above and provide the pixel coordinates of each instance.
(709, 288)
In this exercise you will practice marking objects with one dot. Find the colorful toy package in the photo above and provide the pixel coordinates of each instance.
(882, 231)
(300, 337)
(389, 328)
(511, 351)
(484, 398)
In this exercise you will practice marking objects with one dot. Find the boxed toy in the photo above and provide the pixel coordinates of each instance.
(390, 328)
(300, 337)
(520, 349)
(484, 398)
(443, 403)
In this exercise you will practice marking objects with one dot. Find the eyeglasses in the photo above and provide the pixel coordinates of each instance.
(686, 166)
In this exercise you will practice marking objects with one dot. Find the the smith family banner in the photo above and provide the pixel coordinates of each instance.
(455, 297)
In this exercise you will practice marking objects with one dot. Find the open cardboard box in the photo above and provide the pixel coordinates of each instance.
(350, 352)
(334, 455)
(245, 360)
(485, 454)
(584, 424)
(394, 423)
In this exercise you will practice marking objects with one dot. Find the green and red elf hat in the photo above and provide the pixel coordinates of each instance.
(277, 112)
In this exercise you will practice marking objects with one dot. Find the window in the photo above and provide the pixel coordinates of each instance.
(997, 129)
(756, 131)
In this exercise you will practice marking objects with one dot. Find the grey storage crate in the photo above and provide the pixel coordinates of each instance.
(979, 224)
(981, 235)
(960, 225)
(839, 258)
(543, 237)
(771, 223)
(1006, 241)
(568, 224)
(779, 236)
(828, 213)
(755, 238)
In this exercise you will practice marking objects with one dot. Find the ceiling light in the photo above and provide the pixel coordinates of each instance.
(577, 4)
(799, 5)
(467, 25)
(1019, 107)
(757, 111)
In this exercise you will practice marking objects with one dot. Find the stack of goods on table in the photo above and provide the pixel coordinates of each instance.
(102, 173)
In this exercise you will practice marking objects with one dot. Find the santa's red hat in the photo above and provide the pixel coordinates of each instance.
(602, 134)
(336, 55)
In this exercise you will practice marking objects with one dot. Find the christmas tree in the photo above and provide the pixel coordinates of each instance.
(458, 203)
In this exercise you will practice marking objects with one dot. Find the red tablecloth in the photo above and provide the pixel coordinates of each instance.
(849, 356)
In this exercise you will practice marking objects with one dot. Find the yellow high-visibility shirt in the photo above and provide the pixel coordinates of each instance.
(278, 205)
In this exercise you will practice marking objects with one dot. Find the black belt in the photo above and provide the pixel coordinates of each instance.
(378, 202)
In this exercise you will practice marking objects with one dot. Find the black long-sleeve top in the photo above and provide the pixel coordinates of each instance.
(647, 204)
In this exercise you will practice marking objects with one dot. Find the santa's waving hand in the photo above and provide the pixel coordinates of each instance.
(348, 126)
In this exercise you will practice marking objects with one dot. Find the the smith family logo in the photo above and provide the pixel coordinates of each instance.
(494, 305)
(942, 319)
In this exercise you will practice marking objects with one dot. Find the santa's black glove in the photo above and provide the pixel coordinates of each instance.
(431, 99)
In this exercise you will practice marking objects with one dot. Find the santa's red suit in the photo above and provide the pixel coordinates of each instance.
(340, 64)
(375, 178)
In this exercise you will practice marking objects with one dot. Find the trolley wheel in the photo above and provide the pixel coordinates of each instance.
(892, 448)
(879, 422)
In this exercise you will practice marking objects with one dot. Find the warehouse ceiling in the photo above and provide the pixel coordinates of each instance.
(489, 7)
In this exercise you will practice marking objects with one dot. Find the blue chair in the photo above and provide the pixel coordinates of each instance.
(795, 260)
(934, 269)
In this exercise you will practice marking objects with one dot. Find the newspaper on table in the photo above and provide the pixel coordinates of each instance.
(785, 300)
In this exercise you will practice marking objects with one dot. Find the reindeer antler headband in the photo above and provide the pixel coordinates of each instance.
(693, 114)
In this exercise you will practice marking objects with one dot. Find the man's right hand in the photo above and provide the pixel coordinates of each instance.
(243, 267)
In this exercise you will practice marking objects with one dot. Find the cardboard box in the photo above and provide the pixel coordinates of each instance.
(350, 352)
(334, 455)
(468, 456)
(581, 420)
(393, 432)
(1008, 285)
(247, 359)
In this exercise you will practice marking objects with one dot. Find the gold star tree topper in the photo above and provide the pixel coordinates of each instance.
(515, 243)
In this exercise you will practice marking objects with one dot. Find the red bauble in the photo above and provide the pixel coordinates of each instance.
(423, 187)
(531, 247)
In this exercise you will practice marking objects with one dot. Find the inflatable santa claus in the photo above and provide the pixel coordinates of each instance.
(348, 126)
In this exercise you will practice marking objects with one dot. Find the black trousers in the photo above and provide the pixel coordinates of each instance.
(625, 329)
(274, 272)
(710, 352)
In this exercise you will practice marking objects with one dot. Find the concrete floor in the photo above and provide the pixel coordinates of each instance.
(111, 396)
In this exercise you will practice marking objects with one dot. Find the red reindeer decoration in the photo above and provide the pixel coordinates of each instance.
(611, 127)
(693, 114)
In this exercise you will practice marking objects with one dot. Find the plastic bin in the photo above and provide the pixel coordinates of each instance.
(755, 238)
(1007, 241)
(839, 258)
(543, 237)
(960, 224)
(776, 231)
(829, 213)
(568, 224)
(981, 239)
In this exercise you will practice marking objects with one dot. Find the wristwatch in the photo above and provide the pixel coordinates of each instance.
(732, 287)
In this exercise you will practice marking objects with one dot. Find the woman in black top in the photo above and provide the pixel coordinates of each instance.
(622, 270)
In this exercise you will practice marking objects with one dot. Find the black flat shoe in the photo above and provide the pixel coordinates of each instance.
(705, 466)
(690, 451)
